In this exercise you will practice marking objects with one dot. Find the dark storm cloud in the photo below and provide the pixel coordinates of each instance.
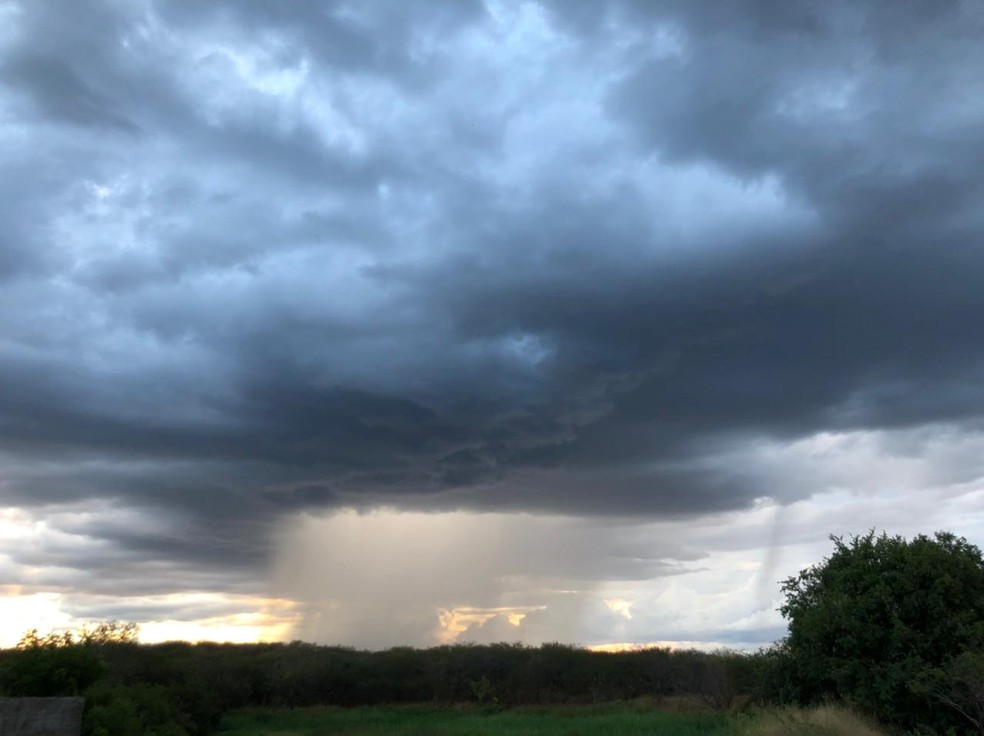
(260, 257)
(60, 93)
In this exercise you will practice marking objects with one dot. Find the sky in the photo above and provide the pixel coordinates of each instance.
(421, 322)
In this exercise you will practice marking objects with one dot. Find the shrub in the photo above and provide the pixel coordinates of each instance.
(873, 619)
(53, 665)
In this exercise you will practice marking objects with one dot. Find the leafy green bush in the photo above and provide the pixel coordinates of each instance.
(958, 686)
(869, 623)
(56, 664)
(133, 711)
(126, 693)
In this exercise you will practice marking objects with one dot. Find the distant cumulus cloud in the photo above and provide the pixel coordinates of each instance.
(626, 260)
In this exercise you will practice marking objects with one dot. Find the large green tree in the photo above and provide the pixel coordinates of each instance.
(871, 620)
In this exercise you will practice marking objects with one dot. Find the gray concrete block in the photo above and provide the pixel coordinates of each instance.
(41, 716)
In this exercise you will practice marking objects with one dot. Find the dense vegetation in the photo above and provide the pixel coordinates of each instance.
(893, 627)
(178, 688)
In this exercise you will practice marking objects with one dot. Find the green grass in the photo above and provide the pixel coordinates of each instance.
(610, 720)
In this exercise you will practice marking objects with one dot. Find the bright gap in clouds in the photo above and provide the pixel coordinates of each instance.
(242, 620)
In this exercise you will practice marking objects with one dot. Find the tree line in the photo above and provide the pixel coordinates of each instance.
(138, 688)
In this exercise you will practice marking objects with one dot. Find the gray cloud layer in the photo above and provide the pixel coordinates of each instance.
(258, 258)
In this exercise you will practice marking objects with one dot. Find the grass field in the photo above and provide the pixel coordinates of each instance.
(616, 720)
(624, 719)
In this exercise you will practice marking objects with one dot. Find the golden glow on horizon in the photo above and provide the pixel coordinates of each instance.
(262, 620)
(625, 646)
(628, 646)
(20, 612)
(239, 628)
(453, 622)
(258, 620)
